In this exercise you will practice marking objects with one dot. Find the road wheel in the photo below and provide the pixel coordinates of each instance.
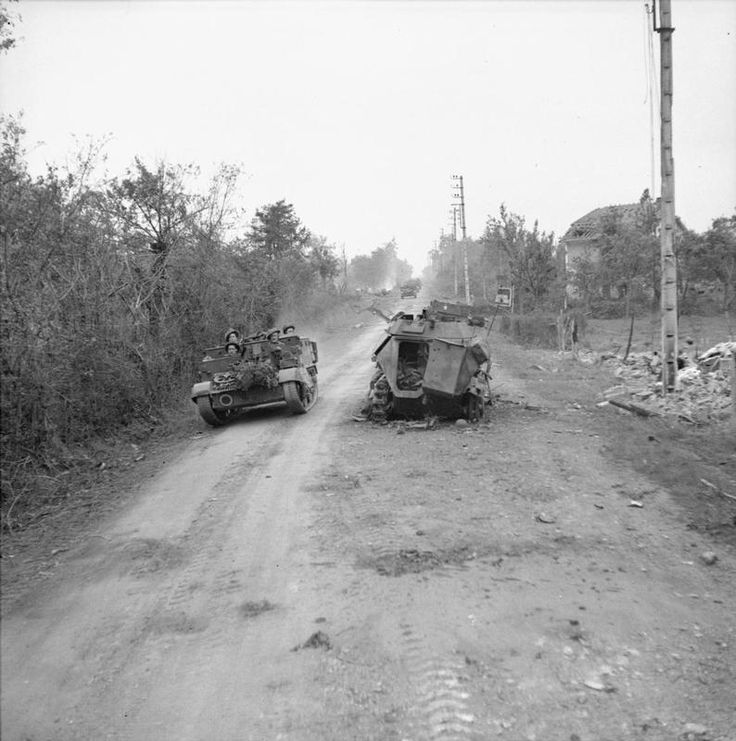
(299, 397)
(211, 416)
(381, 399)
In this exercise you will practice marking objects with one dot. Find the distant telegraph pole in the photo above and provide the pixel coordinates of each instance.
(667, 229)
(460, 193)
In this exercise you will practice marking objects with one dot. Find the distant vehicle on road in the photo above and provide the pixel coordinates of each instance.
(411, 288)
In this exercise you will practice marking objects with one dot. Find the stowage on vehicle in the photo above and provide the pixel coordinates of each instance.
(273, 367)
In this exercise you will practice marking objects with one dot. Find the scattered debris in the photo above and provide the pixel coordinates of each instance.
(712, 358)
(629, 407)
(428, 424)
(316, 640)
(636, 503)
(717, 490)
(253, 609)
(694, 732)
(414, 561)
(708, 558)
(599, 686)
(543, 517)
(704, 387)
(533, 407)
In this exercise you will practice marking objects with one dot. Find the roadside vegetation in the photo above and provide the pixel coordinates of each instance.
(112, 286)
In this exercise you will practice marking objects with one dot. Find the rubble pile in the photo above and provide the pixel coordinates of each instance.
(705, 384)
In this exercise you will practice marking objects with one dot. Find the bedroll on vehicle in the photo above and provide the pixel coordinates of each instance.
(253, 373)
(436, 362)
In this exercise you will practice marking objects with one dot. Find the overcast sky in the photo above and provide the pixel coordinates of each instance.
(359, 113)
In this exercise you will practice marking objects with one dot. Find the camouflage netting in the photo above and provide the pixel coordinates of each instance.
(245, 374)
(256, 374)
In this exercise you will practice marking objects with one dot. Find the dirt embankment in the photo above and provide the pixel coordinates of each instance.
(558, 571)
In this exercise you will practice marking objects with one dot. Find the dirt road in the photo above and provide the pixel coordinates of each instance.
(315, 578)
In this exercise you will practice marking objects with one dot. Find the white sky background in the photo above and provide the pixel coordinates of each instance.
(358, 113)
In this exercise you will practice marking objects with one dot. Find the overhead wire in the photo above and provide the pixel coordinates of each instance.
(652, 94)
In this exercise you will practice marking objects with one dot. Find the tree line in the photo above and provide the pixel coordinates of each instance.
(110, 289)
(621, 276)
(382, 269)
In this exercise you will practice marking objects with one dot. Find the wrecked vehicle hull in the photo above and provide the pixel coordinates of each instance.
(263, 374)
(434, 363)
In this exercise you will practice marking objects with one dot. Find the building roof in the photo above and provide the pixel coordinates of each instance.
(589, 226)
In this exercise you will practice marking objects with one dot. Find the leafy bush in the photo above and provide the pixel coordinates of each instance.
(109, 294)
(531, 329)
(544, 330)
(608, 309)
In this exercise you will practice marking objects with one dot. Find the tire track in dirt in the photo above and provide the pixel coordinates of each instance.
(442, 712)
(260, 597)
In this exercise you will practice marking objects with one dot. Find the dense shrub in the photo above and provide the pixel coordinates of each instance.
(109, 294)
(607, 309)
(531, 329)
(555, 331)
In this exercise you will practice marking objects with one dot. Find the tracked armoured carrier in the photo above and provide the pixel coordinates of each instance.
(436, 362)
(255, 372)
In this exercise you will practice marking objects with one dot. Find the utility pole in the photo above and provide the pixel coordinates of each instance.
(460, 192)
(345, 269)
(667, 228)
(454, 249)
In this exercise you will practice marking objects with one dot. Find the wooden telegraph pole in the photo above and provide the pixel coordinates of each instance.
(461, 195)
(667, 229)
(454, 248)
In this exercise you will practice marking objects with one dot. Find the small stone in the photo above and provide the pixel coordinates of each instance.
(316, 640)
(708, 558)
(594, 684)
(461, 422)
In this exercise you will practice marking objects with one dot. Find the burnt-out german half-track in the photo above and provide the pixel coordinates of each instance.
(433, 363)
(256, 372)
